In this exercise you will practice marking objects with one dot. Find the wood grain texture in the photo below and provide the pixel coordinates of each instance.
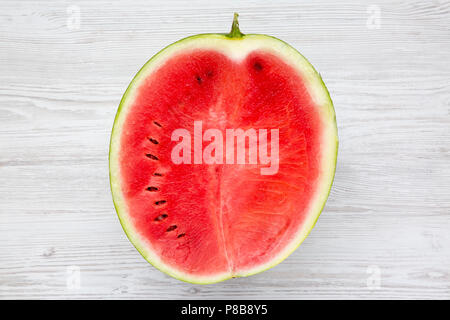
(389, 208)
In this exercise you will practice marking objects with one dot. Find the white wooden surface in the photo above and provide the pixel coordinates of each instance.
(389, 210)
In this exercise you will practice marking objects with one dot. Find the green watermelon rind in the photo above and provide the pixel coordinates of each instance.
(117, 197)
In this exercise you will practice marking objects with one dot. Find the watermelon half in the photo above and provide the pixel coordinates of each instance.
(205, 222)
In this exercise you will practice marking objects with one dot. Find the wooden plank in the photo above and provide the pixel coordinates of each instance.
(389, 208)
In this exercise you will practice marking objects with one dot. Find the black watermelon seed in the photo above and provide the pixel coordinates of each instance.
(258, 66)
(171, 228)
(151, 156)
(161, 217)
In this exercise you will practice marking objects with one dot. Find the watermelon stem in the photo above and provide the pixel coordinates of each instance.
(235, 32)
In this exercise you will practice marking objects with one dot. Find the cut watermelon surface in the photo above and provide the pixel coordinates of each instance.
(206, 222)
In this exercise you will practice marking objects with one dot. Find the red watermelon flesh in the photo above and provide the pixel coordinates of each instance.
(204, 218)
